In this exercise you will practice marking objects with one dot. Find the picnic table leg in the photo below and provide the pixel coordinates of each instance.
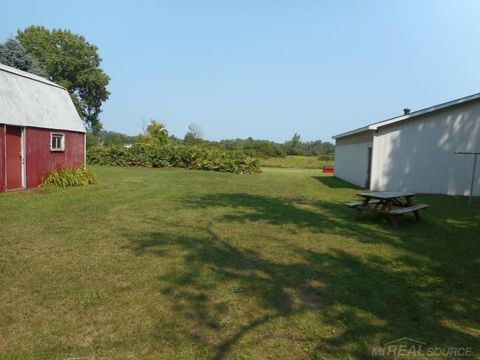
(387, 205)
(357, 214)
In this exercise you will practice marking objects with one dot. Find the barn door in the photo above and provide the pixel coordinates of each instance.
(369, 168)
(14, 157)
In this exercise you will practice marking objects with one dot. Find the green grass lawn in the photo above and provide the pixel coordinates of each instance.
(153, 264)
(299, 162)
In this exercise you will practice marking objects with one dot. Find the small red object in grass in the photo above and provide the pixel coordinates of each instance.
(328, 169)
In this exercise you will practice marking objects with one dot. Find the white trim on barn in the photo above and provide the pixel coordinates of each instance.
(23, 156)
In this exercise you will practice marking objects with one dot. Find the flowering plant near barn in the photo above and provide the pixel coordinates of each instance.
(70, 177)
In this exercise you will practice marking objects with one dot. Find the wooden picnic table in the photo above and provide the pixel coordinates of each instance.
(394, 204)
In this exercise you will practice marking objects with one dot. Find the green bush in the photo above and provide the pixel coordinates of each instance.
(255, 148)
(195, 157)
(70, 177)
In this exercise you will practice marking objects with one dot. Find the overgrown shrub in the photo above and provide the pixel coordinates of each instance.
(70, 177)
(188, 157)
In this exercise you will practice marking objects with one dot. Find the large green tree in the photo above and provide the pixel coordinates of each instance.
(13, 54)
(72, 62)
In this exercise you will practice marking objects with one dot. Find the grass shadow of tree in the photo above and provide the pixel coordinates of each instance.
(317, 216)
(376, 300)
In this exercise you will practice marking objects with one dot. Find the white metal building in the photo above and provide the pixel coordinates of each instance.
(416, 151)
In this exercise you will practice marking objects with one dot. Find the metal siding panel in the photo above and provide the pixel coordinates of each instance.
(351, 158)
(377, 160)
(40, 160)
(419, 155)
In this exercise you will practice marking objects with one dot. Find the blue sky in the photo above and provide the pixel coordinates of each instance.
(267, 69)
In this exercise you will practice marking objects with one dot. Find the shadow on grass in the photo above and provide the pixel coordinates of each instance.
(425, 293)
(334, 182)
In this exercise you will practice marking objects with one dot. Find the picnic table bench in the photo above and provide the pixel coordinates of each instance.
(394, 204)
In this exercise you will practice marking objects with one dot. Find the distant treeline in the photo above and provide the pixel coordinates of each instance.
(252, 147)
(266, 148)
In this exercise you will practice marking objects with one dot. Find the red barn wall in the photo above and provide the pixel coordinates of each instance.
(2, 157)
(40, 160)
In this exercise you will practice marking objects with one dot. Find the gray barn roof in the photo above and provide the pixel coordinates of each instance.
(30, 100)
(375, 126)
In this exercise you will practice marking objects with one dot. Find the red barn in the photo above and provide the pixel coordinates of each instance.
(40, 129)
